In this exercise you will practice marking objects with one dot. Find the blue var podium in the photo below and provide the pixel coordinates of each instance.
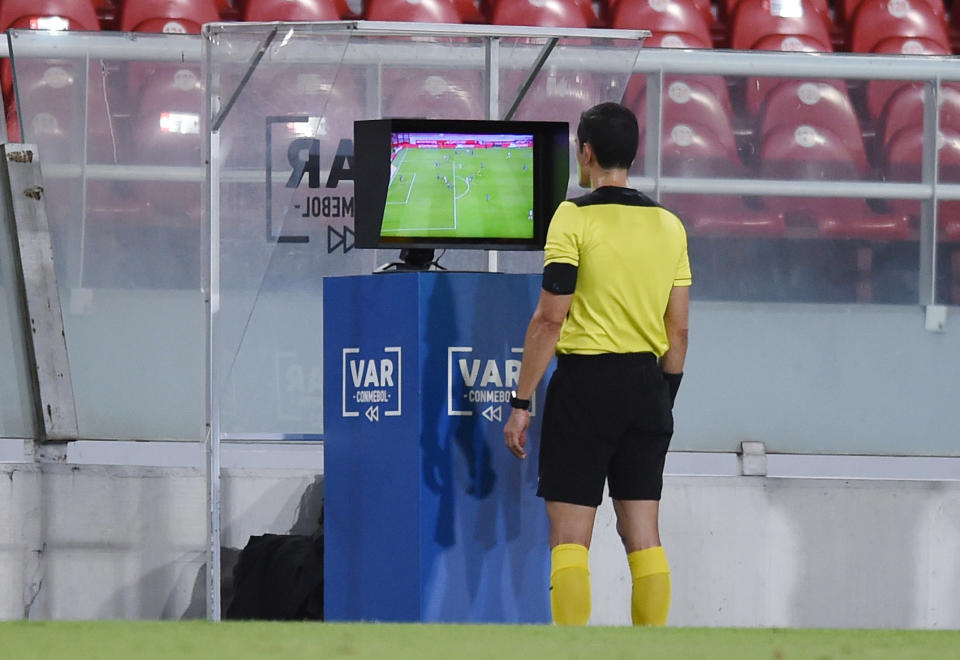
(428, 517)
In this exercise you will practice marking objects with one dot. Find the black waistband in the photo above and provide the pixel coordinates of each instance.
(626, 359)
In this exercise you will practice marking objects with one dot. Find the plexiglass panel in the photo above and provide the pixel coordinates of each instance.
(16, 406)
(286, 184)
(116, 121)
(121, 128)
(841, 237)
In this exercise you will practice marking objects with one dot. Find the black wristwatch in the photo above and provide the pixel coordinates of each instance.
(519, 404)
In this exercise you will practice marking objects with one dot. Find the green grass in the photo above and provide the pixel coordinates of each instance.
(420, 204)
(240, 641)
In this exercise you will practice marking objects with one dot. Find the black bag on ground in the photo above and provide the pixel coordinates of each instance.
(279, 577)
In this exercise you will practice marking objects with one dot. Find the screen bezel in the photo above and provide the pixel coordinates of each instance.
(372, 146)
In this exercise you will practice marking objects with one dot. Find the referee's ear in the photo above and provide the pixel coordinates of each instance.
(587, 154)
(585, 161)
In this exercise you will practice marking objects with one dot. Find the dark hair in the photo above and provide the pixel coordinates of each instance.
(611, 129)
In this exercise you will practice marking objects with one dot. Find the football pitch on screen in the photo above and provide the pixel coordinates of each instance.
(464, 192)
(144, 640)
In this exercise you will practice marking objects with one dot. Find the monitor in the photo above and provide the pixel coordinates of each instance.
(427, 183)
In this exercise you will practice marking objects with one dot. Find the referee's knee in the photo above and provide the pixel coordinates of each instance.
(638, 537)
(562, 537)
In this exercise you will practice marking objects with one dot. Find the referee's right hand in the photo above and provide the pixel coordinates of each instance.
(515, 432)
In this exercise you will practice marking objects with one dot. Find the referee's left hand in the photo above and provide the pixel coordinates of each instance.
(515, 432)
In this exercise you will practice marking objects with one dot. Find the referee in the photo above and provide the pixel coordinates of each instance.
(614, 310)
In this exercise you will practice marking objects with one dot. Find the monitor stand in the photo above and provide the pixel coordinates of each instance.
(412, 259)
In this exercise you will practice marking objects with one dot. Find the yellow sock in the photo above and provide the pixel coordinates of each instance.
(569, 585)
(651, 587)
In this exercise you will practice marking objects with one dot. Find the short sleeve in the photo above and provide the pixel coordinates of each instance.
(564, 236)
(683, 277)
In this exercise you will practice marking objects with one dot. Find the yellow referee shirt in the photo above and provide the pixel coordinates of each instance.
(629, 253)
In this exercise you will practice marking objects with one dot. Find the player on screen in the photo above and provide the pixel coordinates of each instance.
(614, 310)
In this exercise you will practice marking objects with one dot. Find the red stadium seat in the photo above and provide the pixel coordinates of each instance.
(425, 11)
(489, 8)
(880, 91)
(792, 43)
(755, 19)
(693, 150)
(557, 13)
(727, 8)
(910, 46)
(818, 154)
(167, 132)
(662, 16)
(903, 161)
(676, 40)
(469, 11)
(554, 96)
(441, 95)
(717, 85)
(905, 110)
(290, 10)
(758, 88)
(846, 9)
(41, 15)
(810, 153)
(609, 7)
(48, 15)
(814, 103)
(13, 125)
(876, 20)
(168, 16)
(713, 215)
(691, 88)
(51, 117)
(690, 101)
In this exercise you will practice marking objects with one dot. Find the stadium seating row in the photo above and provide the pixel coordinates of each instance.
(802, 129)
(854, 25)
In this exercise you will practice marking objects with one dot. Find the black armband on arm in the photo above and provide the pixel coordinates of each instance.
(673, 384)
(559, 279)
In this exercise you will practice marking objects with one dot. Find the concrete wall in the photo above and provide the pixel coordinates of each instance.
(753, 551)
(103, 542)
(88, 542)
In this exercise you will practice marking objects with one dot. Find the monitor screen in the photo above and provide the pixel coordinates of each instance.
(435, 183)
(466, 185)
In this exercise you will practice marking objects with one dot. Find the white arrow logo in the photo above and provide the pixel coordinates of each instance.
(493, 413)
(373, 413)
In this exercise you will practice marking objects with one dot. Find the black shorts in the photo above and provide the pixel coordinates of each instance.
(606, 417)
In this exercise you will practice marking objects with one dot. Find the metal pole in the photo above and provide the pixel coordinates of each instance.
(492, 64)
(928, 176)
(213, 429)
(654, 130)
(211, 274)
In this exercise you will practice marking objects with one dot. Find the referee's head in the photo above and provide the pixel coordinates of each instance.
(611, 131)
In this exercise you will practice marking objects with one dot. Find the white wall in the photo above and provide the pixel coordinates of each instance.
(127, 542)
(753, 551)
(838, 379)
(102, 542)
